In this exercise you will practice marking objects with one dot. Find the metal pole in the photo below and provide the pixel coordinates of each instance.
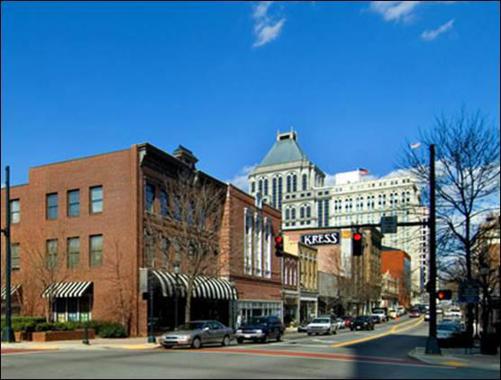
(176, 303)
(151, 336)
(7, 333)
(432, 346)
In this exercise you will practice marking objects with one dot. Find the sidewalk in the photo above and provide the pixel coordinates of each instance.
(458, 357)
(95, 344)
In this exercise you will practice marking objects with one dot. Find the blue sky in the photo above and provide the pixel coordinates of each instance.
(356, 80)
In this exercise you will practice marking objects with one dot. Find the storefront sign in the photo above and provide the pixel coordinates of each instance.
(321, 239)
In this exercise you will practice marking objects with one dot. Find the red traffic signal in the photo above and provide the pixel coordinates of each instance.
(444, 294)
(279, 245)
(357, 247)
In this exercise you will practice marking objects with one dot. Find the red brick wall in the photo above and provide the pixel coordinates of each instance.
(117, 173)
(393, 261)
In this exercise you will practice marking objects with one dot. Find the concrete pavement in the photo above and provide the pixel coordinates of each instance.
(457, 357)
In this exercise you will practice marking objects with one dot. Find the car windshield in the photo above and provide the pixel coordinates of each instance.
(377, 311)
(259, 320)
(192, 326)
(321, 320)
(360, 319)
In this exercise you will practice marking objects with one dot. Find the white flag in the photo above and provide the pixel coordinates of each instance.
(415, 145)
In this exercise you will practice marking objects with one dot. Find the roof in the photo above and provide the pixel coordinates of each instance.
(283, 151)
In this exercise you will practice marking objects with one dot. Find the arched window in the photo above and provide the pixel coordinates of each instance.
(266, 186)
(280, 188)
(305, 182)
(253, 187)
(260, 186)
(274, 192)
(289, 184)
(308, 211)
(301, 212)
(294, 182)
(293, 214)
(287, 214)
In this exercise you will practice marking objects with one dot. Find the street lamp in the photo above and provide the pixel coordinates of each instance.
(176, 272)
(151, 335)
(432, 346)
(7, 333)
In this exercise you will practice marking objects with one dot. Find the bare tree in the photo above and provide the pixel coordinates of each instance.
(195, 214)
(467, 184)
(119, 277)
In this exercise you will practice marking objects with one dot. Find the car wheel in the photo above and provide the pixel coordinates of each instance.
(197, 343)
(167, 346)
(264, 339)
(226, 341)
(310, 334)
(279, 337)
(240, 340)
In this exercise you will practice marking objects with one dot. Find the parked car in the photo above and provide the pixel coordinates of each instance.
(363, 322)
(340, 323)
(449, 334)
(261, 329)
(380, 313)
(392, 313)
(414, 313)
(322, 325)
(198, 333)
(375, 319)
(302, 326)
(347, 320)
(401, 311)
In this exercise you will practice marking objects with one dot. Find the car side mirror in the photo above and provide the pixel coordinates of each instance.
(207, 328)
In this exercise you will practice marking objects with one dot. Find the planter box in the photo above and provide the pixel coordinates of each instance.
(49, 336)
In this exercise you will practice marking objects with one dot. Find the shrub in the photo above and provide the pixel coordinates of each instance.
(111, 330)
(24, 324)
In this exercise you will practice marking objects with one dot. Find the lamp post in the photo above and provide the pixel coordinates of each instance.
(151, 335)
(7, 333)
(176, 272)
(432, 346)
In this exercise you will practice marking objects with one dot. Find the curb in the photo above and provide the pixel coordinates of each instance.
(450, 361)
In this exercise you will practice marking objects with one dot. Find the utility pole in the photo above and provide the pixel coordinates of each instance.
(432, 346)
(7, 333)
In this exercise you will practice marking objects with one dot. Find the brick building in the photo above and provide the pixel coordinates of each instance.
(398, 264)
(80, 241)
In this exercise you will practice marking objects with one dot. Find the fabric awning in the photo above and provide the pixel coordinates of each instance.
(66, 289)
(204, 287)
(13, 289)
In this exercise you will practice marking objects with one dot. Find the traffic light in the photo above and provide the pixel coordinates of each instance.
(357, 246)
(444, 294)
(279, 245)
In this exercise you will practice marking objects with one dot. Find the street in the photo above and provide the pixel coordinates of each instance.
(382, 353)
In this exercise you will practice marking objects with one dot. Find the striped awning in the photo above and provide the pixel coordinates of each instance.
(13, 289)
(66, 289)
(204, 287)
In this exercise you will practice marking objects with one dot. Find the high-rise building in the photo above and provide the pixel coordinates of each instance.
(288, 180)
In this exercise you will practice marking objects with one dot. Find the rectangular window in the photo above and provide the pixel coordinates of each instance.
(73, 250)
(96, 199)
(96, 250)
(52, 206)
(15, 211)
(51, 252)
(74, 203)
(149, 197)
(248, 228)
(15, 258)
(164, 203)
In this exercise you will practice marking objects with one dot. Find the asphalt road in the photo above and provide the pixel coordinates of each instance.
(337, 356)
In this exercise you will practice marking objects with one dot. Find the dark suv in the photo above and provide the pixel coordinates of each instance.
(261, 329)
(363, 322)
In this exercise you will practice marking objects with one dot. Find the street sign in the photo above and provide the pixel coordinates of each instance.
(389, 224)
(468, 292)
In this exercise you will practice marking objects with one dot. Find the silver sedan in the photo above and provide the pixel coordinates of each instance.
(198, 333)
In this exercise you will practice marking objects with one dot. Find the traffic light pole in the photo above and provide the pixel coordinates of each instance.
(432, 346)
(7, 333)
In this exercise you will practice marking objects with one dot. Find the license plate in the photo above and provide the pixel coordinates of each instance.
(247, 336)
(358, 327)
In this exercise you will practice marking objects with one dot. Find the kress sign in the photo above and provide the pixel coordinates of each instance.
(321, 239)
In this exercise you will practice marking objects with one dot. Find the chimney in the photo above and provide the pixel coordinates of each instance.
(287, 136)
(185, 155)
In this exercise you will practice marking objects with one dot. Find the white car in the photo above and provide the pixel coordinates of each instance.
(322, 325)
(392, 313)
(380, 314)
(453, 313)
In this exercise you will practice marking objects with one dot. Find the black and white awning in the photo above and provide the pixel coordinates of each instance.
(13, 290)
(66, 289)
(204, 287)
